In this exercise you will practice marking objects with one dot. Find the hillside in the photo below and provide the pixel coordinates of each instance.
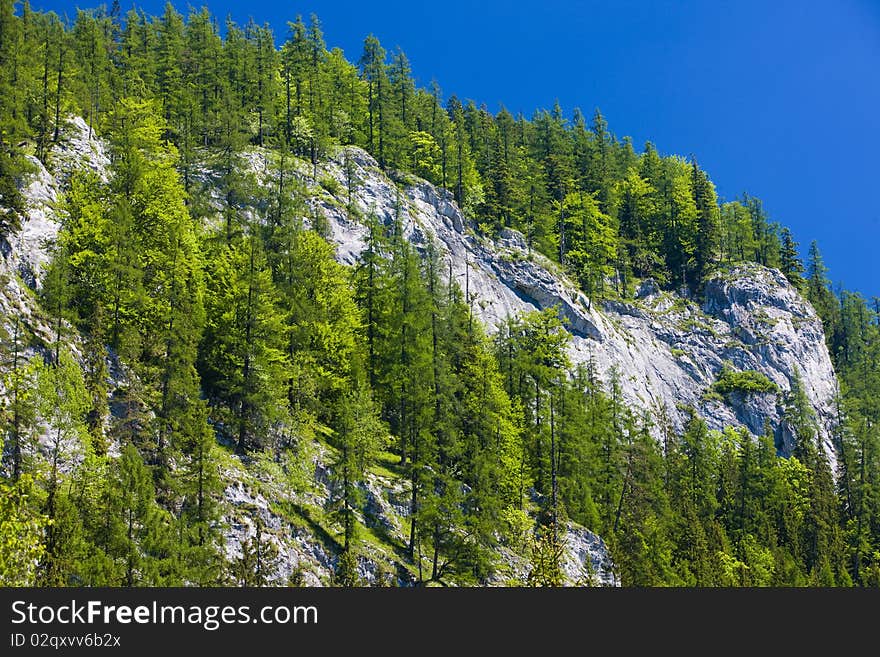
(271, 318)
(667, 348)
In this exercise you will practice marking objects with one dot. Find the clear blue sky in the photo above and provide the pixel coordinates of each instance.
(780, 99)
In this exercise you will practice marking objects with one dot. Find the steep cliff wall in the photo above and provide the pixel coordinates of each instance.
(666, 349)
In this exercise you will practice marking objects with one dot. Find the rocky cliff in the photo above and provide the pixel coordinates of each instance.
(255, 489)
(664, 348)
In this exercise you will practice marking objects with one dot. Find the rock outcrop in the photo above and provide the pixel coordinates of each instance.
(665, 349)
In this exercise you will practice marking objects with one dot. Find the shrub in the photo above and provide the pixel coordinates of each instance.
(331, 185)
(747, 381)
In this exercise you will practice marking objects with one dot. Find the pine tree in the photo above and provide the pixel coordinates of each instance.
(12, 119)
(63, 401)
(641, 538)
(592, 242)
(169, 73)
(546, 561)
(200, 488)
(372, 64)
(708, 231)
(679, 216)
(403, 88)
(601, 163)
(359, 436)
(323, 323)
(636, 214)
(19, 410)
(258, 563)
(790, 263)
(409, 374)
(12, 203)
(538, 343)
(242, 358)
(138, 540)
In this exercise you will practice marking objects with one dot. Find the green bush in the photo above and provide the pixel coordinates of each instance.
(747, 381)
(331, 185)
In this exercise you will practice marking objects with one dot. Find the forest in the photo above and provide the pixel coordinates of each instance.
(239, 336)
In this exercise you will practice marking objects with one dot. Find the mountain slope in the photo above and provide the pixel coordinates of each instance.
(258, 500)
(191, 356)
(666, 348)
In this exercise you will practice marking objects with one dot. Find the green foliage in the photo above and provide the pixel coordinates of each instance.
(591, 242)
(21, 533)
(347, 570)
(226, 319)
(661, 215)
(546, 561)
(242, 357)
(323, 323)
(789, 261)
(426, 156)
(331, 185)
(138, 540)
(361, 435)
(745, 381)
(18, 412)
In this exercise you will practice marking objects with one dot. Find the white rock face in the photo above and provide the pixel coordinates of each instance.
(665, 349)
(24, 257)
(26, 253)
(586, 561)
(29, 251)
(77, 149)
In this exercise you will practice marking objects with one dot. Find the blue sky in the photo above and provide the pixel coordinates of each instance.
(780, 99)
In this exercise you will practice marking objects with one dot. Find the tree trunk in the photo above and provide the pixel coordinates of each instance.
(244, 409)
(58, 90)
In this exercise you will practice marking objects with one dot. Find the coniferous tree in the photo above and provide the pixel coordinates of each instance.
(12, 204)
(63, 403)
(372, 64)
(360, 435)
(258, 563)
(242, 357)
(19, 411)
(707, 222)
(789, 261)
(138, 541)
(21, 533)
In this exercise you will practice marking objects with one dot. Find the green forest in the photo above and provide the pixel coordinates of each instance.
(241, 337)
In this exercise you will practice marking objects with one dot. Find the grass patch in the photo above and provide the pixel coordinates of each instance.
(762, 317)
(314, 520)
(387, 464)
(710, 395)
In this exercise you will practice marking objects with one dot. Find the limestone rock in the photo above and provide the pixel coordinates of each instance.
(665, 349)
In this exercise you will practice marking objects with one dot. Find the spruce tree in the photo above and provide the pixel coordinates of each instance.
(790, 263)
